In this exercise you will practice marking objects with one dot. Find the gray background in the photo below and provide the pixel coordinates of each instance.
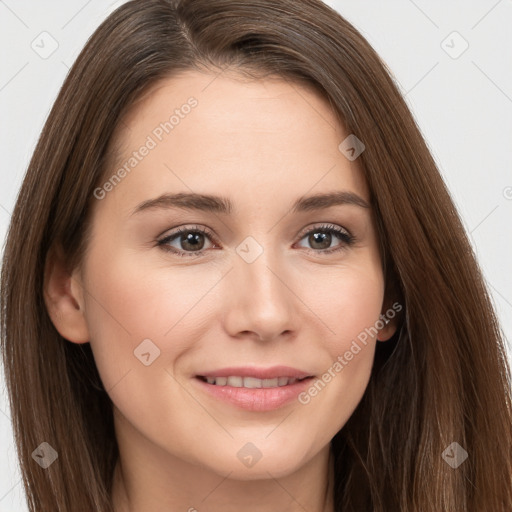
(461, 98)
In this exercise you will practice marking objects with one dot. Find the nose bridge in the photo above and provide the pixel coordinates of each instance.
(259, 267)
(262, 302)
(263, 279)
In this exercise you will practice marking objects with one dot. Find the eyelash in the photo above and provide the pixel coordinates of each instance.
(343, 235)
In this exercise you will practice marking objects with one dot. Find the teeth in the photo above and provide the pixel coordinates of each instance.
(221, 381)
(270, 383)
(250, 382)
(282, 381)
(236, 382)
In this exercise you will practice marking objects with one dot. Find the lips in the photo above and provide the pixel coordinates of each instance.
(240, 391)
(237, 381)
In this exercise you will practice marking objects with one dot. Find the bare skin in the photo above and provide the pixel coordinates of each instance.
(262, 144)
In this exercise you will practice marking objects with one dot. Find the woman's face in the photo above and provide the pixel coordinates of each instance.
(258, 285)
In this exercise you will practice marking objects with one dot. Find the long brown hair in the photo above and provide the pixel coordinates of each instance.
(442, 378)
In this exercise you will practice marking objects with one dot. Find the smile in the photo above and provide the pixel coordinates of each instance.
(250, 382)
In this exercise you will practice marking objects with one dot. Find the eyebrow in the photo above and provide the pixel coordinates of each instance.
(223, 205)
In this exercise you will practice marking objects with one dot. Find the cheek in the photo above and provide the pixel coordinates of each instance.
(129, 302)
(134, 303)
(349, 298)
(352, 308)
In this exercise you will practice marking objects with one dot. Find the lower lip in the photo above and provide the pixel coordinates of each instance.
(256, 399)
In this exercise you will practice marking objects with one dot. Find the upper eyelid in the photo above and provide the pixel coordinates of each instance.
(193, 228)
(323, 225)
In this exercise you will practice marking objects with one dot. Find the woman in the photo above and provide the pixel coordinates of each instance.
(234, 278)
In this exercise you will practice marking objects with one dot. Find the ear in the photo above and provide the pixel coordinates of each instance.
(388, 330)
(391, 313)
(64, 298)
(389, 320)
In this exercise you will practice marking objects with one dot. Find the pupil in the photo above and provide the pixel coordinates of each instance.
(322, 238)
(191, 239)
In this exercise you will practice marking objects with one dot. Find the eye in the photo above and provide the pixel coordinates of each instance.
(190, 241)
(321, 237)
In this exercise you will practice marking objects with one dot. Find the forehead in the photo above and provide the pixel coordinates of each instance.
(239, 133)
(229, 85)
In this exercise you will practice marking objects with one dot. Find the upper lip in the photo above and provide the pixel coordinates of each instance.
(258, 373)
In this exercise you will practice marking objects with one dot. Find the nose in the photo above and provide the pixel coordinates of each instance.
(261, 302)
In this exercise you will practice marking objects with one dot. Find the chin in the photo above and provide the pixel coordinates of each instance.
(248, 464)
